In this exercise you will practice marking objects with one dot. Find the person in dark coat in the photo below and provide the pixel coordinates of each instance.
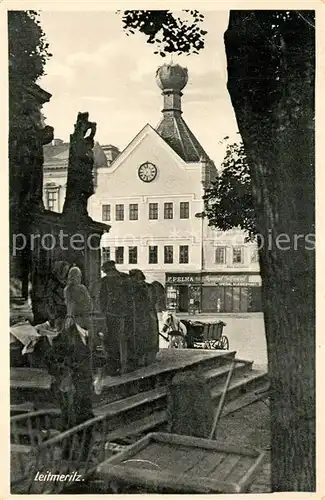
(70, 355)
(55, 304)
(160, 295)
(116, 304)
(146, 321)
(78, 333)
(56, 311)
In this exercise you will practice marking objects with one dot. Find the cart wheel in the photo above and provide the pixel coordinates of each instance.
(224, 343)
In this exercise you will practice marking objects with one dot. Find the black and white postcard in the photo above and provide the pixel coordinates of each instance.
(161, 267)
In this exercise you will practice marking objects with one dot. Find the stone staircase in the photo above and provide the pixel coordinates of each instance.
(136, 403)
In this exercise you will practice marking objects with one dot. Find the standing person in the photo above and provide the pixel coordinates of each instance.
(78, 338)
(70, 356)
(146, 321)
(56, 311)
(218, 305)
(161, 296)
(55, 304)
(116, 304)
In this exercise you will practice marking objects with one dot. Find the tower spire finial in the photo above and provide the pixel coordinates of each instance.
(171, 79)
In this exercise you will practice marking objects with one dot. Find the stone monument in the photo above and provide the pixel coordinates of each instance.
(80, 185)
(47, 235)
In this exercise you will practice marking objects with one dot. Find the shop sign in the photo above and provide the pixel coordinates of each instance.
(229, 280)
(225, 279)
(183, 279)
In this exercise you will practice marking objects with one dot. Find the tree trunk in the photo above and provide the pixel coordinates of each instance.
(272, 92)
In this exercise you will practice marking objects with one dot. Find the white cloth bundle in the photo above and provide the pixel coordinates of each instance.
(26, 334)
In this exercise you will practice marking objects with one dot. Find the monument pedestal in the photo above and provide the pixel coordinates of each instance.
(52, 237)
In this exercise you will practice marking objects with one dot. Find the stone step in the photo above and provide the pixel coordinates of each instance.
(155, 375)
(219, 375)
(240, 385)
(143, 425)
(34, 384)
(132, 402)
(246, 399)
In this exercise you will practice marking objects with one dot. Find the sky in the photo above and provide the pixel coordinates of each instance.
(97, 68)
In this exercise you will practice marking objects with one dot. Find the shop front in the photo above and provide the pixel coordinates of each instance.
(183, 292)
(231, 293)
(212, 293)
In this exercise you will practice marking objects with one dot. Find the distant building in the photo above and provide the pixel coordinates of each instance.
(56, 157)
(151, 195)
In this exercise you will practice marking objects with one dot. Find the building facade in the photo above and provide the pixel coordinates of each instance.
(151, 195)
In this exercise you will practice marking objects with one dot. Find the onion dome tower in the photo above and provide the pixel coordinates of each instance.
(171, 79)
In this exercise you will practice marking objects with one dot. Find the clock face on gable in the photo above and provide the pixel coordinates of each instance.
(147, 172)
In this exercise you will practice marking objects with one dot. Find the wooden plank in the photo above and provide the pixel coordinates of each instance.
(240, 402)
(131, 402)
(240, 469)
(22, 407)
(252, 376)
(124, 455)
(184, 458)
(168, 362)
(20, 448)
(46, 434)
(138, 426)
(223, 468)
(37, 413)
(208, 463)
(221, 370)
(203, 443)
(162, 454)
(149, 452)
(157, 479)
(248, 478)
(199, 456)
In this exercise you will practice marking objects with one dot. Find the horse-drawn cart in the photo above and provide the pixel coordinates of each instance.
(206, 335)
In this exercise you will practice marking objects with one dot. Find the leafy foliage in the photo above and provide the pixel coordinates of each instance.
(28, 53)
(169, 33)
(28, 49)
(229, 202)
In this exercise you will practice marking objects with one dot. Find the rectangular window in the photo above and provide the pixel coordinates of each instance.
(184, 210)
(168, 254)
(183, 254)
(133, 211)
(133, 255)
(106, 254)
(119, 255)
(254, 256)
(119, 212)
(51, 198)
(220, 255)
(168, 210)
(106, 212)
(153, 255)
(153, 211)
(237, 255)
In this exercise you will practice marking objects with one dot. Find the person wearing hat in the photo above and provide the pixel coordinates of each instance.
(116, 306)
(145, 319)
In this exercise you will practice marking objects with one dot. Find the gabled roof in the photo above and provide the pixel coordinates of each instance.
(180, 138)
(145, 131)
